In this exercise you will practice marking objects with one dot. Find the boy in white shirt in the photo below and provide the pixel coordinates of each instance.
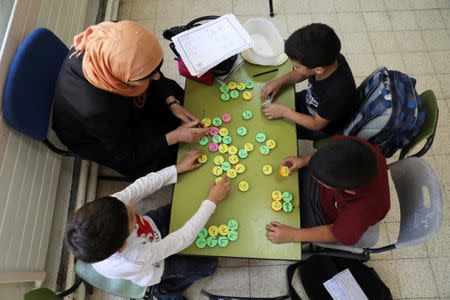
(120, 243)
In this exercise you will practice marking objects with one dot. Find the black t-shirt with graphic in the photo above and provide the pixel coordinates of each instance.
(334, 98)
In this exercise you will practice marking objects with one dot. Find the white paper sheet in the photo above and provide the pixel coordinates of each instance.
(343, 286)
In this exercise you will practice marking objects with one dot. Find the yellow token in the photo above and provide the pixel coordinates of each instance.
(276, 206)
(243, 186)
(202, 158)
(247, 95)
(283, 171)
(277, 196)
(218, 160)
(240, 168)
(231, 173)
(232, 150)
(223, 131)
(240, 86)
(271, 144)
(218, 179)
(232, 85)
(249, 147)
(233, 159)
(267, 169)
(206, 122)
(217, 171)
(223, 229)
(223, 148)
(213, 230)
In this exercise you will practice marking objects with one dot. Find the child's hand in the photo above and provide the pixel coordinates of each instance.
(219, 191)
(189, 162)
(295, 162)
(270, 90)
(275, 111)
(278, 233)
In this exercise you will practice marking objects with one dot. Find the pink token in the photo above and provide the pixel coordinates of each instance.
(226, 118)
(213, 147)
(214, 131)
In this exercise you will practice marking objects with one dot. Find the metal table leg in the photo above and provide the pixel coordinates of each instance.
(271, 8)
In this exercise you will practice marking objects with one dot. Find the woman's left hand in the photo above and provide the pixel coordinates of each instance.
(182, 113)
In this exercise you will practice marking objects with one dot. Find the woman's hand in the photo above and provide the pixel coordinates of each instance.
(182, 113)
(279, 233)
(188, 133)
(189, 162)
(275, 111)
(295, 162)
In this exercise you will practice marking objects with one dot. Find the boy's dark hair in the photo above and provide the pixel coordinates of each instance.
(98, 229)
(314, 45)
(344, 164)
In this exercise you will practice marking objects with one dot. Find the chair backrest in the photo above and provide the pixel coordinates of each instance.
(118, 287)
(428, 128)
(420, 199)
(30, 83)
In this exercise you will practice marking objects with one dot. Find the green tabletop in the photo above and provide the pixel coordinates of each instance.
(252, 209)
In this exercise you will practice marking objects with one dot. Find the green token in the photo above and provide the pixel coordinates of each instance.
(211, 241)
(243, 153)
(226, 166)
(227, 139)
(203, 233)
(287, 207)
(249, 84)
(224, 88)
(247, 115)
(234, 94)
(222, 241)
(232, 235)
(200, 243)
(204, 140)
(287, 196)
(260, 137)
(225, 97)
(217, 139)
(233, 224)
(241, 131)
(217, 122)
(264, 150)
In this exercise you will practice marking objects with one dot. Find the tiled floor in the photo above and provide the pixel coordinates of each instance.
(412, 36)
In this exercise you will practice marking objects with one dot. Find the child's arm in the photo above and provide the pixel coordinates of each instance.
(273, 86)
(279, 233)
(275, 111)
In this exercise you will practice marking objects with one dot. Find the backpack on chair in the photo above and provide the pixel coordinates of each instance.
(391, 113)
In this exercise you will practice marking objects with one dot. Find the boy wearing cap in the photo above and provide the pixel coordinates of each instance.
(344, 190)
(330, 100)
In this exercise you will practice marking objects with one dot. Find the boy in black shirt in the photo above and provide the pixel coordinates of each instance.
(330, 100)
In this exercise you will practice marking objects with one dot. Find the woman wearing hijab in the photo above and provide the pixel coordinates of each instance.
(113, 105)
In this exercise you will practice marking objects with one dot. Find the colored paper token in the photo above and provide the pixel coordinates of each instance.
(217, 171)
(203, 141)
(213, 230)
(243, 186)
(241, 131)
(243, 153)
(217, 139)
(231, 173)
(217, 121)
(224, 88)
(211, 241)
(213, 147)
(223, 148)
(267, 169)
(226, 118)
(283, 171)
(223, 131)
(206, 122)
(218, 160)
(233, 159)
(249, 84)
(277, 196)
(234, 94)
(271, 144)
(233, 224)
(260, 137)
(232, 235)
(222, 241)
(249, 147)
(247, 115)
(223, 229)
(227, 139)
(202, 158)
(240, 168)
(276, 205)
(264, 150)
(287, 207)
(287, 196)
(203, 233)
(218, 179)
(225, 97)
(232, 85)
(200, 243)
(232, 150)
(226, 166)
(240, 86)
(214, 131)
(247, 95)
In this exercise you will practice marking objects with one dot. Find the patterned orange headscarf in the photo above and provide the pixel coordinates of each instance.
(117, 53)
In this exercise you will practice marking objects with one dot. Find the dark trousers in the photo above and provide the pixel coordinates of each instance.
(302, 132)
(310, 211)
(180, 271)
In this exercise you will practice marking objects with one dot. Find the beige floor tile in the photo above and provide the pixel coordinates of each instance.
(347, 5)
(141, 10)
(430, 19)
(388, 272)
(443, 3)
(361, 64)
(410, 40)
(225, 262)
(321, 6)
(268, 281)
(418, 63)
(297, 21)
(255, 7)
(420, 4)
(442, 167)
(295, 6)
(403, 20)
(384, 42)
(428, 82)
(445, 13)
(172, 9)
(373, 5)
(329, 19)
(416, 278)
(439, 246)
(377, 21)
(355, 42)
(440, 61)
(417, 251)
(150, 25)
(446, 195)
(352, 22)
(444, 82)
(383, 240)
(441, 271)
(124, 10)
(392, 61)
(397, 5)
(199, 8)
(441, 144)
